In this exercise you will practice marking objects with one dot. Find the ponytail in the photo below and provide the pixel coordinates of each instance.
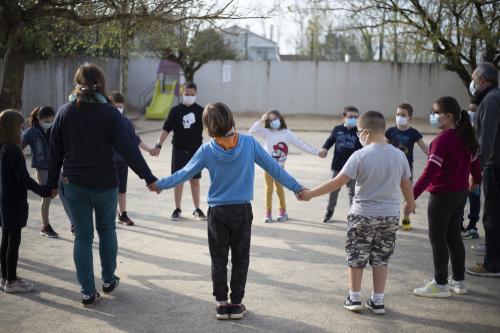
(34, 122)
(467, 132)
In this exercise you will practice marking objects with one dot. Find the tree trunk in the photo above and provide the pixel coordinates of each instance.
(13, 69)
(188, 73)
(124, 59)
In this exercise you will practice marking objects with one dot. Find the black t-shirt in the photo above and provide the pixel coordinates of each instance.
(186, 123)
(404, 140)
(346, 143)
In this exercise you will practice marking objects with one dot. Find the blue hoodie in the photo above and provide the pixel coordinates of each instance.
(231, 171)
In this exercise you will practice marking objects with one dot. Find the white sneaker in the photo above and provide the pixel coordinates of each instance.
(457, 286)
(481, 248)
(432, 289)
(18, 286)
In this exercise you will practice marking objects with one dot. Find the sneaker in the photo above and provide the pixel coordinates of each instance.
(282, 216)
(90, 300)
(72, 229)
(328, 216)
(199, 215)
(18, 286)
(432, 289)
(268, 218)
(176, 215)
(124, 219)
(237, 311)
(480, 270)
(222, 311)
(406, 224)
(2, 284)
(353, 305)
(48, 232)
(481, 249)
(457, 287)
(470, 234)
(108, 288)
(377, 307)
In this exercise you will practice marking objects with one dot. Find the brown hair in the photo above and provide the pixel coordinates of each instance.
(89, 80)
(40, 112)
(117, 97)
(279, 116)
(349, 108)
(373, 121)
(217, 119)
(407, 107)
(10, 126)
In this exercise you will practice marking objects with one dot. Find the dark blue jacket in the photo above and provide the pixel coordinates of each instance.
(38, 141)
(82, 141)
(346, 143)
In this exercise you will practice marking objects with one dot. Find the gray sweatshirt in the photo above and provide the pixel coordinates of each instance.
(488, 129)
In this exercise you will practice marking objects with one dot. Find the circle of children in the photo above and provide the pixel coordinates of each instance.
(89, 172)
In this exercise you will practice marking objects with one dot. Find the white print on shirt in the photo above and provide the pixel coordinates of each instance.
(188, 120)
(280, 152)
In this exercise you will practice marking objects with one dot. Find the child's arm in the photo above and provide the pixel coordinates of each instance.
(194, 166)
(18, 168)
(330, 141)
(423, 146)
(297, 142)
(145, 147)
(407, 189)
(257, 129)
(437, 153)
(327, 187)
(266, 162)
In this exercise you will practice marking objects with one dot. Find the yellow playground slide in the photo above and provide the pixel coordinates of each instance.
(161, 102)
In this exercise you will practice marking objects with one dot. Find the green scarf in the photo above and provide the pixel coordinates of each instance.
(94, 98)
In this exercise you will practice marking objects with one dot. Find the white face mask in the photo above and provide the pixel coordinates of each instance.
(45, 126)
(472, 88)
(120, 109)
(472, 115)
(275, 124)
(364, 142)
(402, 121)
(188, 100)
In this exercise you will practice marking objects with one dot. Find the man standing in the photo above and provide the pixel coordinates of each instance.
(185, 121)
(484, 87)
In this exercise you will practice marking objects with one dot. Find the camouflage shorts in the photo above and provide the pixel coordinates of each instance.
(370, 239)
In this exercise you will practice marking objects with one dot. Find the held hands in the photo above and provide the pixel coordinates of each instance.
(155, 151)
(304, 195)
(323, 153)
(153, 187)
(409, 208)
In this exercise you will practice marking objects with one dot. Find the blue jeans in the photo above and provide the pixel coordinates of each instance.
(83, 203)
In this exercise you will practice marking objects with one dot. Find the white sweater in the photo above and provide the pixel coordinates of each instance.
(277, 142)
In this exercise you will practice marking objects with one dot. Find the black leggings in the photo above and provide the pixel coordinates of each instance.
(9, 251)
(445, 213)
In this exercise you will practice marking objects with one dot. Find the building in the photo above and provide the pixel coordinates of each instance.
(250, 46)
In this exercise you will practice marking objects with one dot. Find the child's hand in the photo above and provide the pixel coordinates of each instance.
(264, 117)
(155, 151)
(304, 195)
(409, 208)
(154, 188)
(475, 188)
(323, 152)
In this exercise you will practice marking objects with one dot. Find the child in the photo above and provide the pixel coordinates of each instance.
(121, 166)
(14, 183)
(278, 138)
(380, 170)
(446, 177)
(346, 143)
(229, 158)
(470, 232)
(37, 137)
(404, 137)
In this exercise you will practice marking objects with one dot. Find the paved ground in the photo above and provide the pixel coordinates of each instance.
(297, 278)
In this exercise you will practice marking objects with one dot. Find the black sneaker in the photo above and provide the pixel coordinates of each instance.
(48, 232)
(237, 311)
(328, 216)
(124, 219)
(90, 300)
(199, 215)
(108, 288)
(377, 307)
(176, 215)
(72, 229)
(353, 305)
(222, 311)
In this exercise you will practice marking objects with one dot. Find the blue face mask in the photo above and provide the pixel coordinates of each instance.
(351, 122)
(275, 124)
(434, 119)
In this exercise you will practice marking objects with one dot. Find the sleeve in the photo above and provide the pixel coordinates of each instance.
(18, 169)
(351, 167)
(417, 135)
(475, 170)
(437, 154)
(488, 130)
(56, 152)
(26, 138)
(266, 162)
(257, 129)
(169, 124)
(123, 142)
(194, 166)
(388, 134)
(297, 142)
(131, 128)
(331, 140)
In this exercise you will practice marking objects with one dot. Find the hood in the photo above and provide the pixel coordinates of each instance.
(226, 156)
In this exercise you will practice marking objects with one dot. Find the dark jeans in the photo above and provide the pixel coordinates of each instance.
(9, 252)
(229, 227)
(491, 218)
(445, 213)
(474, 209)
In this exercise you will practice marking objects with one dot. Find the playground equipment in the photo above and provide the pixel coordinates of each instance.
(164, 94)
